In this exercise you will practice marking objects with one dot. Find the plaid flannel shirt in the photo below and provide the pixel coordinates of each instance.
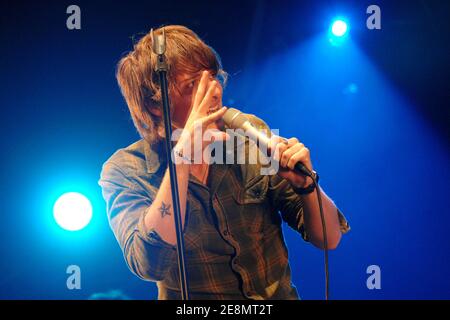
(234, 242)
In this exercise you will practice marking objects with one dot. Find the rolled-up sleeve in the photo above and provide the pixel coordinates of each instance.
(290, 205)
(284, 198)
(146, 254)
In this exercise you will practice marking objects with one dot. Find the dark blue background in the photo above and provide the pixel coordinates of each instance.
(374, 112)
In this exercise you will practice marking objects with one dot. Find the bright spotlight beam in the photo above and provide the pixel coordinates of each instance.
(72, 211)
(339, 28)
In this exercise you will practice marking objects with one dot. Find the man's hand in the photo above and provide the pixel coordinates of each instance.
(208, 96)
(289, 152)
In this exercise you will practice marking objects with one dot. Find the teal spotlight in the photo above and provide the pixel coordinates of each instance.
(339, 28)
(338, 31)
(72, 211)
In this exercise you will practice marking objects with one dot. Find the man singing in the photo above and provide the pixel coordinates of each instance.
(231, 213)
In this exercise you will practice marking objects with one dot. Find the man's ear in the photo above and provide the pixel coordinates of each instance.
(156, 111)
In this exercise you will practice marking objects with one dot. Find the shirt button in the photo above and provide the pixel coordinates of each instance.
(225, 233)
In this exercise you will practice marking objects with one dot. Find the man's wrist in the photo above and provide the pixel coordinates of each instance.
(310, 187)
(180, 157)
(179, 154)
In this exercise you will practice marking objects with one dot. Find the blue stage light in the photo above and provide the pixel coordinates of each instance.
(339, 28)
(72, 211)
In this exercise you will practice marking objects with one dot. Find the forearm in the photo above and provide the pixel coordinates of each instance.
(160, 215)
(313, 222)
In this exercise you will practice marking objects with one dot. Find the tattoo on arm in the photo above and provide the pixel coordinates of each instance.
(165, 210)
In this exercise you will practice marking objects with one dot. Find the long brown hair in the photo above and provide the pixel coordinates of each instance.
(139, 83)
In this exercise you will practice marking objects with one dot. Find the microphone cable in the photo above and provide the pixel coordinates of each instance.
(325, 239)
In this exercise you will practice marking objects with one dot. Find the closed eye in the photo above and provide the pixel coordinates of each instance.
(188, 88)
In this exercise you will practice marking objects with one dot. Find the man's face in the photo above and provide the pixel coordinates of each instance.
(182, 99)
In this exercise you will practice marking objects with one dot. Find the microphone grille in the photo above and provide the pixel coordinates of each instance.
(234, 118)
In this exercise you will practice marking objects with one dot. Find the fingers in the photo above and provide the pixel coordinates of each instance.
(203, 122)
(205, 83)
(214, 116)
(289, 151)
(202, 88)
(208, 100)
(277, 146)
(300, 156)
(274, 140)
(292, 152)
(292, 141)
(217, 135)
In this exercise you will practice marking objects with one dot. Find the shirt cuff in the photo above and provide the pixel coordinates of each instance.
(151, 236)
(345, 227)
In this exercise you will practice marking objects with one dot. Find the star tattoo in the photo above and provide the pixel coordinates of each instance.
(164, 210)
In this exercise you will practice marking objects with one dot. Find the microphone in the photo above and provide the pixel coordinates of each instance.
(235, 119)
